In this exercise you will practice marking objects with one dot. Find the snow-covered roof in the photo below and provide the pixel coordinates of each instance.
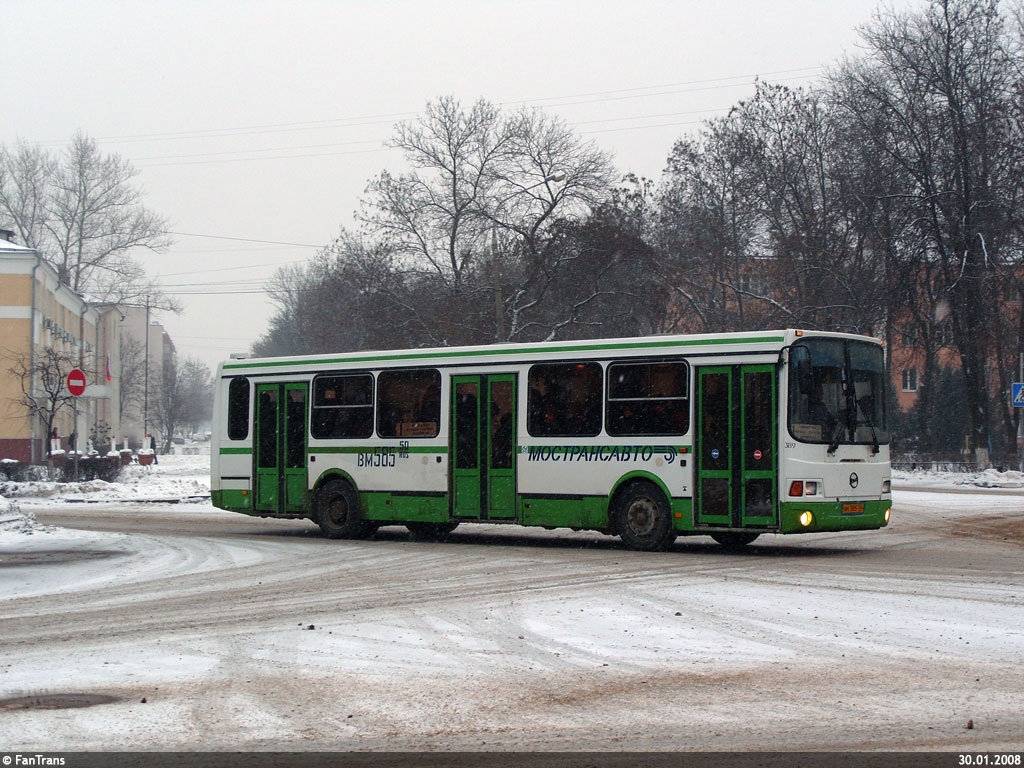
(5, 245)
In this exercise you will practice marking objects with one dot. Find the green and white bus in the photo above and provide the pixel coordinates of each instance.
(727, 435)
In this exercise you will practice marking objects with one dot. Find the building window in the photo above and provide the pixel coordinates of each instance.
(756, 284)
(910, 379)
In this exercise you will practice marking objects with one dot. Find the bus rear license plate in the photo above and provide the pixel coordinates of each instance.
(853, 509)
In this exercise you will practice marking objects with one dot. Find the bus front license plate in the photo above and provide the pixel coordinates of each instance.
(853, 509)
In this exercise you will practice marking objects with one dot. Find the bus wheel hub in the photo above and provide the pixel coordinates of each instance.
(642, 516)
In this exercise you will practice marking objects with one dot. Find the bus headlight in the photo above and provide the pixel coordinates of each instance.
(887, 486)
(888, 511)
(806, 518)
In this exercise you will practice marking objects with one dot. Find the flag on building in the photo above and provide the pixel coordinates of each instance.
(108, 366)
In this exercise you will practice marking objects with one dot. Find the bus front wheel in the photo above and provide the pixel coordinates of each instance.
(734, 540)
(338, 513)
(642, 517)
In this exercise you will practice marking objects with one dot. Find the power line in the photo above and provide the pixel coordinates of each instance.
(276, 157)
(250, 155)
(230, 269)
(673, 85)
(241, 239)
(262, 149)
(387, 117)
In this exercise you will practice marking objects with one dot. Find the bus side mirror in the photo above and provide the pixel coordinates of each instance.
(804, 378)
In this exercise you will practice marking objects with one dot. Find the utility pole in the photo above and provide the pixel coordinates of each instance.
(145, 386)
(499, 302)
(1020, 418)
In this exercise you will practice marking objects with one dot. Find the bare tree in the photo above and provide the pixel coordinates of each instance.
(183, 399)
(132, 375)
(42, 380)
(25, 177)
(478, 172)
(936, 83)
(710, 232)
(81, 211)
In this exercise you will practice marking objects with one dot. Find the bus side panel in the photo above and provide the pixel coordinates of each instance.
(382, 506)
(397, 481)
(230, 460)
(564, 485)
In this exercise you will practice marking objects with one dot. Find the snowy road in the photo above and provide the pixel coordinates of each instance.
(254, 634)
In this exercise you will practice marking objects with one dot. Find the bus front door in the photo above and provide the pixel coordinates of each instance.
(281, 474)
(735, 447)
(483, 446)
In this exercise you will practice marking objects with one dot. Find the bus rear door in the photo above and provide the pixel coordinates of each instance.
(282, 414)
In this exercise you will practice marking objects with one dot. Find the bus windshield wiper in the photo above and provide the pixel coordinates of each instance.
(837, 435)
(849, 424)
(871, 425)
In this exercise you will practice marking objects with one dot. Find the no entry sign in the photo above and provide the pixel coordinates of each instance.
(76, 382)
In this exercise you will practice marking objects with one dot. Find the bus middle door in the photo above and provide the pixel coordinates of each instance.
(483, 445)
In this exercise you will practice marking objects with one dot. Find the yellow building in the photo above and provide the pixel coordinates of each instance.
(39, 313)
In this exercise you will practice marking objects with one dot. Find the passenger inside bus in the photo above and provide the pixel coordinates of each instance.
(817, 411)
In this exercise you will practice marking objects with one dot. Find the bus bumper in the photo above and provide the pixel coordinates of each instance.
(233, 500)
(866, 514)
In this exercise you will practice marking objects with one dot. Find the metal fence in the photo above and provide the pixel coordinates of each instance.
(950, 463)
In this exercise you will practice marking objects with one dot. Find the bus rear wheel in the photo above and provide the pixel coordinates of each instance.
(734, 540)
(338, 513)
(642, 517)
(431, 531)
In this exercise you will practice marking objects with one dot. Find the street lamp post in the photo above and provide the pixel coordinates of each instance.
(499, 299)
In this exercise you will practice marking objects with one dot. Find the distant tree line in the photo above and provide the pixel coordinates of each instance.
(885, 200)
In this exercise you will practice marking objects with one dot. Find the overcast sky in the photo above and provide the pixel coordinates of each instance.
(262, 121)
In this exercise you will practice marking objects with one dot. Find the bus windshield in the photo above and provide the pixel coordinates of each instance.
(837, 393)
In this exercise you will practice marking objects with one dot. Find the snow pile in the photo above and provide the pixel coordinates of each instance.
(15, 522)
(990, 478)
(174, 478)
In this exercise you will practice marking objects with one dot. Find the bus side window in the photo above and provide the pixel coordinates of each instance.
(648, 399)
(409, 403)
(342, 406)
(238, 409)
(564, 400)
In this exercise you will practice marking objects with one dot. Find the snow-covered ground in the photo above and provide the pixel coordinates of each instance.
(252, 634)
(990, 478)
(187, 478)
(174, 478)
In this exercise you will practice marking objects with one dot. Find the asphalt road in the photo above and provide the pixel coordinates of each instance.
(256, 634)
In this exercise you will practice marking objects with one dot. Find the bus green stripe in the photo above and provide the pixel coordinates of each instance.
(229, 451)
(372, 448)
(606, 447)
(485, 352)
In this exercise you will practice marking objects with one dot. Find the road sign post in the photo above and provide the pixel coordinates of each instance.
(76, 386)
(1017, 400)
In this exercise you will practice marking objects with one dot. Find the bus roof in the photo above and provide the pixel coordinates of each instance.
(766, 341)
